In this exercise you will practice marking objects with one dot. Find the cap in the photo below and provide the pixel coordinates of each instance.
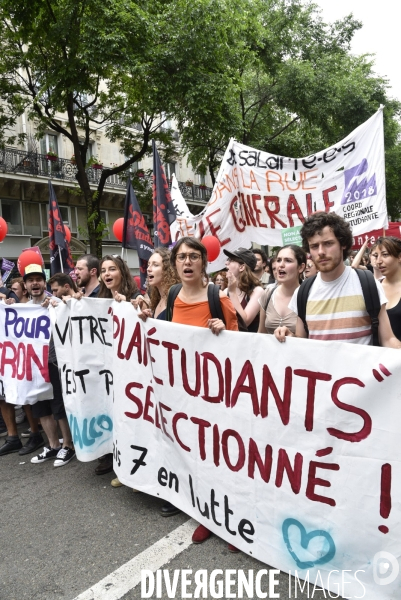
(244, 256)
(33, 270)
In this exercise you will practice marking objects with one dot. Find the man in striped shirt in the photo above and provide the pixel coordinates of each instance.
(336, 309)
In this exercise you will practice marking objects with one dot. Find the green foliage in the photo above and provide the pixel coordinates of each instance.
(270, 73)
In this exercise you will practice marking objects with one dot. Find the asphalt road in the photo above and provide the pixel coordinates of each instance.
(65, 529)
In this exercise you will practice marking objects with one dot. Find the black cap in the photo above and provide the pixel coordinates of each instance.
(243, 256)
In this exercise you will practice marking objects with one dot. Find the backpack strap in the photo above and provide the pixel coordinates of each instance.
(172, 295)
(270, 295)
(213, 297)
(302, 299)
(372, 301)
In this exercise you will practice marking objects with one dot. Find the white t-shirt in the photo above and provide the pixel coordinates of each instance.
(336, 310)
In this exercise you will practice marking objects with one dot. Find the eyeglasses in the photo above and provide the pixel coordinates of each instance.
(193, 257)
(230, 260)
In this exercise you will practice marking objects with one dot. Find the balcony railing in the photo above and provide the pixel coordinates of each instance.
(33, 164)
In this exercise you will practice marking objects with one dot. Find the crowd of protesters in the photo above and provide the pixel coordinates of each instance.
(255, 294)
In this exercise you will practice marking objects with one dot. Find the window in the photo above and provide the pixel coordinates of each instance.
(200, 179)
(11, 213)
(89, 152)
(49, 144)
(169, 169)
(30, 212)
(104, 215)
(65, 214)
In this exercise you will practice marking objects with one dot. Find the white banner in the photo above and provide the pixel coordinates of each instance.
(288, 451)
(258, 194)
(83, 336)
(24, 344)
(291, 459)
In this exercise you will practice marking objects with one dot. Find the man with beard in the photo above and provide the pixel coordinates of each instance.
(335, 307)
(35, 282)
(87, 274)
(260, 269)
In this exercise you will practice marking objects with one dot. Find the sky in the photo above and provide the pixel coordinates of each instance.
(378, 35)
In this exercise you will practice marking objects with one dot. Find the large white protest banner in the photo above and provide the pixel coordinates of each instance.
(258, 194)
(289, 452)
(83, 336)
(24, 345)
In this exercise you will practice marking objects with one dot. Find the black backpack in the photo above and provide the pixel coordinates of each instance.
(370, 296)
(213, 297)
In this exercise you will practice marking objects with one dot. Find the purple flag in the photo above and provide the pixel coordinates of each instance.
(163, 207)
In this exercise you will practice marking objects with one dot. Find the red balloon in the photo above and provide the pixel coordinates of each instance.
(212, 246)
(118, 229)
(29, 257)
(67, 233)
(3, 229)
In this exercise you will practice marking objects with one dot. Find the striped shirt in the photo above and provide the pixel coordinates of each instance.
(336, 309)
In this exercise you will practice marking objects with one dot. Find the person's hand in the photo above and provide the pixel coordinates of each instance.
(45, 303)
(76, 295)
(119, 297)
(54, 303)
(232, 282)
(216, 326)
(144, 314)
(282, 332)
(9, 301)
(139, 302)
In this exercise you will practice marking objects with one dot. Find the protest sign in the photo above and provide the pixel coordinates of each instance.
(258, 194)
(82, 331)
(292, 459)
(291, 236)
(24, 345)
(394, 229)
(288, 451)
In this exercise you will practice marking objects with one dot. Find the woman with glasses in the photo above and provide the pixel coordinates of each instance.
(188, 260)
(244, 288)
(191, 307)
(310, 268)
(220, 279)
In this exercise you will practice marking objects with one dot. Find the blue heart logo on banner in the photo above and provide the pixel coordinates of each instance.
(305, 539)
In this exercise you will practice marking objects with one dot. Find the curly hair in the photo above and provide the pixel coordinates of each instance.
(318, 221)
(194, 244)
(170, 277)
(127, 286)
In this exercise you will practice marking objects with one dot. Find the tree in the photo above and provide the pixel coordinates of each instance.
(80, 58)
(294, 89)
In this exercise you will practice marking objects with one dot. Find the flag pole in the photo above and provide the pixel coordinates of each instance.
(61, 259)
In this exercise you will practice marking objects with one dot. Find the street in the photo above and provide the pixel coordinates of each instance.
(64, 530)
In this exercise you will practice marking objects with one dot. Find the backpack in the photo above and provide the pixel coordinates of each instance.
(213, 297)
(370, 296)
